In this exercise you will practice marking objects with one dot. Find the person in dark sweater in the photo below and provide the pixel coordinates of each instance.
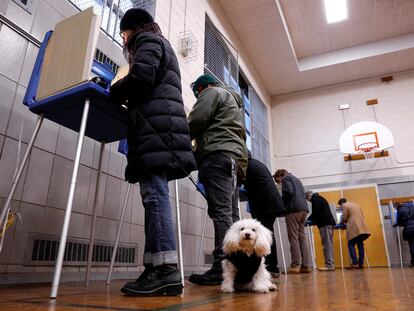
(159, 145)
(322, 217)
(405, 218)
(265, 204)
(293, 196)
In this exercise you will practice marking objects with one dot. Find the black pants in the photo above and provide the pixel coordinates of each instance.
(411, 244)
(268, 222)
(218, 174)
(359, 241)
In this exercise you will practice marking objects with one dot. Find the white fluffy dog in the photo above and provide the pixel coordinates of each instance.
(245, 245)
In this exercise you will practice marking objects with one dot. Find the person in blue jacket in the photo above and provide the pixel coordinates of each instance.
(405, 218)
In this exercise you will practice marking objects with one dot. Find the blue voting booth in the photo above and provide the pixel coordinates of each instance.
(84, 108)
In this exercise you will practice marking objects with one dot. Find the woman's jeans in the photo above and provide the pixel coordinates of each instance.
(160, 247)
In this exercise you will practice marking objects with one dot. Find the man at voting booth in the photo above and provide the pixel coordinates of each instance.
(159, 145)
(405, 219)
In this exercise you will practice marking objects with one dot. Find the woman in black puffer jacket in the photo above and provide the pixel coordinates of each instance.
(159, 144)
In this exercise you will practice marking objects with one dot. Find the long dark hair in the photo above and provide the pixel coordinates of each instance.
(129, 46)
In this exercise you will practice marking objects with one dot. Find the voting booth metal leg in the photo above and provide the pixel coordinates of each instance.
(180, 244)
(200, 250)
(340, 249)
(311, 247)
(281, 245)
(118, 234)
(64, 235)
(16, 178)
(399, 246)
(95, 211)
(366, 258)
(315, 266)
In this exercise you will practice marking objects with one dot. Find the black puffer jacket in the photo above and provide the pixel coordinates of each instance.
(157, 123)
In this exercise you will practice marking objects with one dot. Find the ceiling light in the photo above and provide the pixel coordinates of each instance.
(336, 10)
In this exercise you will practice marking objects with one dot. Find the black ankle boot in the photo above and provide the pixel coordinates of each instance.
(163, 280)
(148, 269)
(214, 276)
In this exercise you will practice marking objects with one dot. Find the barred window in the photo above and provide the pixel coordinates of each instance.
(220, 56)
(260, 129)
(112, 11)
(221, 60)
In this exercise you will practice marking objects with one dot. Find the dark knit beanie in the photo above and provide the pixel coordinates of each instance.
(133, 18)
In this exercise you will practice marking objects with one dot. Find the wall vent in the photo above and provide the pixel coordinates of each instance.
(44, 252)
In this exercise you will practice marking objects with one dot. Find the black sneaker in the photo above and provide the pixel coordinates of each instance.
(210, 277)
(163, 280)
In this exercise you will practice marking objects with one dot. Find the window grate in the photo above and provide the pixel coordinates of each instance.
(220, 56)
(260, 137)
(25, 4)
(112, 11)
(45, 250)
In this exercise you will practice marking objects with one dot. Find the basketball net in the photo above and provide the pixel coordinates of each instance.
(368, 150)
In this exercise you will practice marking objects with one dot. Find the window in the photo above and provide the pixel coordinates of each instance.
(25, 4)
(113, 10)
(260, 129)
(221, 60)
(220, 57)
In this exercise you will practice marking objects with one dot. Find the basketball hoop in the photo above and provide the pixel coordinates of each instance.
(365, 140)
(368, 150)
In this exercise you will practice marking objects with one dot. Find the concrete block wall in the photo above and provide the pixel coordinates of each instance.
(42, 191)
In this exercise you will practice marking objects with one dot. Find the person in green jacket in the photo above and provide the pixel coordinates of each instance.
(218, 134)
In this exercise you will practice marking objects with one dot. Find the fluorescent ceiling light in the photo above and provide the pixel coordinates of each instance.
(336, 10)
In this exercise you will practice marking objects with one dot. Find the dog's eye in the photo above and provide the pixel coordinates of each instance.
(242, 229)
(254, 230)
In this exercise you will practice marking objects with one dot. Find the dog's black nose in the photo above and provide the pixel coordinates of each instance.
(247, 235)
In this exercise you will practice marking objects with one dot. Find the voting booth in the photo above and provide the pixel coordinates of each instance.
(62, 90)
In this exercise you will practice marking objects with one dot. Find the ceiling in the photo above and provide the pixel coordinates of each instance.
(293, 48)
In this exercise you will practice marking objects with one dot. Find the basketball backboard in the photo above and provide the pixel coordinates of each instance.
(363, 136)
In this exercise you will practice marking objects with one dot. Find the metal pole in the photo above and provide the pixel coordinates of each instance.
(200, 250)
(340, 249)
(118, 234)
(281, 245)
(311, 248)
(399, 246)
(116, 19)
(64, 235)
(315, 266)
(95, 212)
(5, 210)
(109, 16)
(180, 245)
(366, 258)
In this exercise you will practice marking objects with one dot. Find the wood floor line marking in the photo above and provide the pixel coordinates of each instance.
(78, 305)
(179, 306)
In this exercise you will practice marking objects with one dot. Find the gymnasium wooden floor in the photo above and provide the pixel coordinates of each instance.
(375, 289)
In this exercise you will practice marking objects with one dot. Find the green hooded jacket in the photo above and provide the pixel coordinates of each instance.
(216, 124)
